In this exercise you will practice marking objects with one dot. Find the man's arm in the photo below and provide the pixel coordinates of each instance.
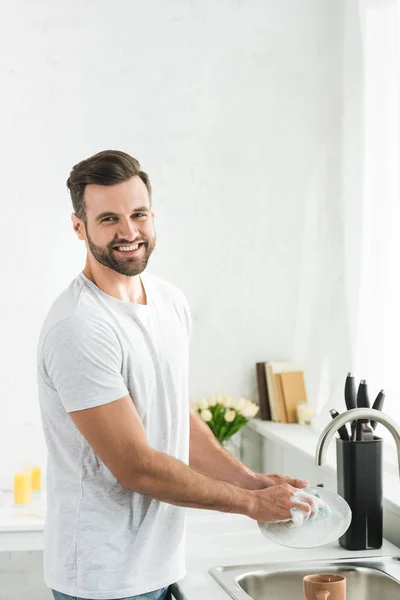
(117, 436)
(208, 456)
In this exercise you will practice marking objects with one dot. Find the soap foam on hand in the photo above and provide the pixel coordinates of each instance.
(319, 510)
(323, 522)
(314, 509)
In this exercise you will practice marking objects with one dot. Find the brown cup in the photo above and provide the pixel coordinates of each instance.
(324, 586)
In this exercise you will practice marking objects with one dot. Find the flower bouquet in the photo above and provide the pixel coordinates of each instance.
(225, 415)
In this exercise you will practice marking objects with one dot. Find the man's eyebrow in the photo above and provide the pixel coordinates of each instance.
(141, 209)
(103, 215)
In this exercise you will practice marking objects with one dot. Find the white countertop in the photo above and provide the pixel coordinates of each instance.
(213, 539)
(22, 518)
(217, 539)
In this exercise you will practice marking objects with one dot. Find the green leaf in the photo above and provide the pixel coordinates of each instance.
(238, 426)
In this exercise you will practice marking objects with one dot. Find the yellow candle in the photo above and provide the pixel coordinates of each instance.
(22, 488)
(36, 475)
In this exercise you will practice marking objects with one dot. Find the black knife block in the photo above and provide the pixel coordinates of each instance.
(359, 482)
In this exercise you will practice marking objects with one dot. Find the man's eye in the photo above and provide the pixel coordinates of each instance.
(108, 220)
(140, 215)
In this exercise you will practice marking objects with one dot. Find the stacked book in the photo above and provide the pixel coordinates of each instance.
(281, 387)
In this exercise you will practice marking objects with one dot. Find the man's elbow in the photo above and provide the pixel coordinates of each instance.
(135, 474)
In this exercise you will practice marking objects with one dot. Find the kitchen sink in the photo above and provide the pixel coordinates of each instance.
(370, 578)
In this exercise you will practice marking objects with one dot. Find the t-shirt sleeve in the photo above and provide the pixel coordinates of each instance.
(81, 359)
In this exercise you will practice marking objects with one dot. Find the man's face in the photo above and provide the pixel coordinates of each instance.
(120, 225)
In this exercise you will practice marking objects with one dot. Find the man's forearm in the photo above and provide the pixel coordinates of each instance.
(208, 456)
(170, 480)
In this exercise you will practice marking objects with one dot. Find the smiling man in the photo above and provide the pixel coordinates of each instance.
(125, 454)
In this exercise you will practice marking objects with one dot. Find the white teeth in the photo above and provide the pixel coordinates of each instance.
(128, 248)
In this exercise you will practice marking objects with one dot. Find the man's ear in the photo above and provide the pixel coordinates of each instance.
(78, 226)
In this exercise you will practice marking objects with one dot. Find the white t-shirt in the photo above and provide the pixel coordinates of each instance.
(101, 540)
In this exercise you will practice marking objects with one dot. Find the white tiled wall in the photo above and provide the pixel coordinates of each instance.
(233, 107)
(279, 458)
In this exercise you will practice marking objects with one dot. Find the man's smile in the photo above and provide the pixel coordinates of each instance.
(129, 250)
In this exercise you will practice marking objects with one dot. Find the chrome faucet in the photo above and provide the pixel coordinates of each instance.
(353, 415)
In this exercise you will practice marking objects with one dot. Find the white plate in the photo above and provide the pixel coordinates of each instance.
(316, 532)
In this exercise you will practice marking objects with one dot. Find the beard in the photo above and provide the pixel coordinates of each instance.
(129, 265)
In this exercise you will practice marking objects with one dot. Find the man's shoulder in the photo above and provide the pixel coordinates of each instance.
(74, 309)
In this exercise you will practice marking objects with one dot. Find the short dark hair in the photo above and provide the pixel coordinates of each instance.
(105, 168)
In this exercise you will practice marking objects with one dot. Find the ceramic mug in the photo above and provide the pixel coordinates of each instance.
(324, 586)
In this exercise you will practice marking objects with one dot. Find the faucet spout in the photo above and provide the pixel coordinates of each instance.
(353, 415)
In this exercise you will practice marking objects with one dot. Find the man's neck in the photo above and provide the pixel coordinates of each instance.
(123, 287)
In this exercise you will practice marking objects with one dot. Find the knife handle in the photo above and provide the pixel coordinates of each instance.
(378, 405)
(350, 395)
(362, 398)
(342, 431)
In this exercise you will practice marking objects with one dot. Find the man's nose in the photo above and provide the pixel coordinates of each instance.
(127, 229)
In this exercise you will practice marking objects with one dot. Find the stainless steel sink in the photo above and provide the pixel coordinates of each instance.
(372, 578)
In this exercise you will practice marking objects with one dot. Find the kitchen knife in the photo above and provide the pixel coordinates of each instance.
(366, 431)
(350, 398)
(350, 395)
(342, 431)
(378, 404)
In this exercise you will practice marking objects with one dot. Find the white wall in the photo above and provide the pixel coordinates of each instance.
(233, 107)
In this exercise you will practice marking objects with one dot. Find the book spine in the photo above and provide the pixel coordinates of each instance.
(281, 407)
(270, 386)
(265, 411)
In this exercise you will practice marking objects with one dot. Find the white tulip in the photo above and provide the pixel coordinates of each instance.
(228, 402)
(240, 403)
(247, 411)
(230, 416)
(219, 399)
(255, 410)
(206, 415)
(202, 403)
(212, 401)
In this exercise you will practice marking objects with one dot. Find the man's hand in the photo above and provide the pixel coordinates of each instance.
(261, 481)
(275, 503)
